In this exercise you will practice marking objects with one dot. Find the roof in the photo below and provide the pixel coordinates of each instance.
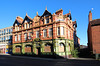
(95, 22)
(27, 17)
(74, 23)
(59, 10)
(18, 20)
(46, 13)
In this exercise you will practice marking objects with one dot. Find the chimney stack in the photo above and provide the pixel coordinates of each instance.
(90, 16)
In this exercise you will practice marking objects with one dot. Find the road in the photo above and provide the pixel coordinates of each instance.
(6, 60)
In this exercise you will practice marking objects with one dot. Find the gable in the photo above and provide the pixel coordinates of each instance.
(46, 13)
(27, 19)
(16, 22)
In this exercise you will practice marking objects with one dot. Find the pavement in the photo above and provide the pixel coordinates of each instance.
(11, 60)
(40, 58)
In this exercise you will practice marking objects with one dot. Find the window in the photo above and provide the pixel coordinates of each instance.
(37, 34)
(47, 20)
(25, 36)
(50, 32)
(29, 36)
(44, 33)
(4, 31)
(61, 45)
(68, 33)
(18, 28)
(58, 30)
(19, 37)
(9, 37)
(0, 31)
(62, 30)
(9, 31)
(0, 38)
(15, 37)
(25, 26)
(28, 25)
(4, 38)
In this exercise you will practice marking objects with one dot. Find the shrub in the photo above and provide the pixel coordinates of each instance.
(75, 52)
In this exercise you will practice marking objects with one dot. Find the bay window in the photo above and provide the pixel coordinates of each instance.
(60, 30)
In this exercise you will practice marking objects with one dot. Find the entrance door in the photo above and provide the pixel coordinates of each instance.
(38, 50)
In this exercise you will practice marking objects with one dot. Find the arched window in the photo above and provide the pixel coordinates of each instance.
(48, 48)
(61, 47)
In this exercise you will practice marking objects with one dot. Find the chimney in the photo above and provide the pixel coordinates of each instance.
(90, 16)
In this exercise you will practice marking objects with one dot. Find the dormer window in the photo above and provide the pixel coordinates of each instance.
(18, 27)
(28, 25)
(25, 25)
(47, 20)
(15, 28)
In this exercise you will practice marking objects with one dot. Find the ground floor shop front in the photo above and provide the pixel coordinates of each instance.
(57, 47)
(5, 49)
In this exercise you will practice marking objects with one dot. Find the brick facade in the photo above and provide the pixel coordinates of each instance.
(94, 35)
(40, 23)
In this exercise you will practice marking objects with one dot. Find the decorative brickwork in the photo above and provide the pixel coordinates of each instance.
(32, 29)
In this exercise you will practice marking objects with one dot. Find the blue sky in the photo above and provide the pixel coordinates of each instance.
(10, 9)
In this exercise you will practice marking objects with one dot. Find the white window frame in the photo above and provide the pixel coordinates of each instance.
(19, 37)
(18, 27)
(62, 30)
(15, 37)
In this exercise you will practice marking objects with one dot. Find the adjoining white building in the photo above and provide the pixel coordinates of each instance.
(6, 40)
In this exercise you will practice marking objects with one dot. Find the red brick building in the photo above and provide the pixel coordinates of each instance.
(48, 34)
(94, 35)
